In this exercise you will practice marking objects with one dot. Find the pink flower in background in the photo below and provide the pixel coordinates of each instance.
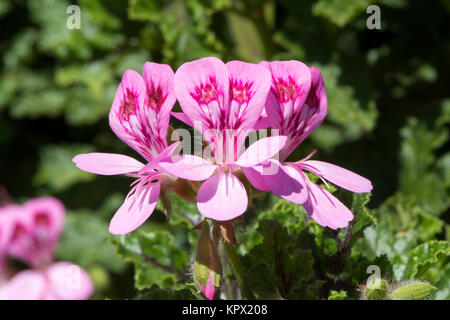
(224, 101)
(30, 233)
(36, 227)
(5, 235)
(296, 105)
(58, 281)
(139, 116)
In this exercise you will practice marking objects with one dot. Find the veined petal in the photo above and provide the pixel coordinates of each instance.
(25, 285)
(106, 163)
(222, 197)
(261, 150)
(134, 119)
(202, 89)
(339, 176)
(68, 281)
(189, 167)
(160, 97)
(136, 208)
(249, 85)
(291, 81)
(309, 116)
(326, 209)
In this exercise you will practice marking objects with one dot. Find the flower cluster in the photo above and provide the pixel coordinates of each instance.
(227, 103)
(29, 233)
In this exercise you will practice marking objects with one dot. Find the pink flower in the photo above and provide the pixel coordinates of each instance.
(5, 235)
(140, 117)
(30, 233)
(296, 105)
(224, 102)
(35, 228)
(58, 281)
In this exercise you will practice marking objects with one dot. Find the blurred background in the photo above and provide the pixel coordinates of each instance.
(388, 98)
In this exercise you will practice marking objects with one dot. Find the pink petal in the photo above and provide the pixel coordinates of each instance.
(249, 84)
(262, 123)
(291, 81)
(25, 285)
(189, 167)
(134, 120)
(69, 282)
(106, 163)
(286, 182)
(202, 89)
(326, 209)
(158, 79)
(255, 178)
(136, 209)
(222, 197)
(261, 150)
(47, 215)
(309, 117)
(339, 176)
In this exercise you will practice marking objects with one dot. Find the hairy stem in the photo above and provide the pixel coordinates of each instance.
(237, 268)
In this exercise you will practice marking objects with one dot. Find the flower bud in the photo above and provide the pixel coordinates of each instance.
(415, 290)
(375, 290)
(207, 265)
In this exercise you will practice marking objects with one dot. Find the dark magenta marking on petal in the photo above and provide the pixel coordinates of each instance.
(19, 231)
(207, 92)
(42, 219)
(286, 90)
(241, 91)
(129, 105)
(155, 97)
(313, 99)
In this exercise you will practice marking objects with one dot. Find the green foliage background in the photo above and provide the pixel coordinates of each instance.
(389, 109)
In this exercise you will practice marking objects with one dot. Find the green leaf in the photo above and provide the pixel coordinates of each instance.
(337, 295)
(340, 12)
(363, 218)
(417, 261)
(277, 265)
(416, 158)
(156, 258)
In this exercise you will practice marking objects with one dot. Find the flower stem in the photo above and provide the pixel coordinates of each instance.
(237, 268)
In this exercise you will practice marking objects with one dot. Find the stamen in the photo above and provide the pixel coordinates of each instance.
(308, 156)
